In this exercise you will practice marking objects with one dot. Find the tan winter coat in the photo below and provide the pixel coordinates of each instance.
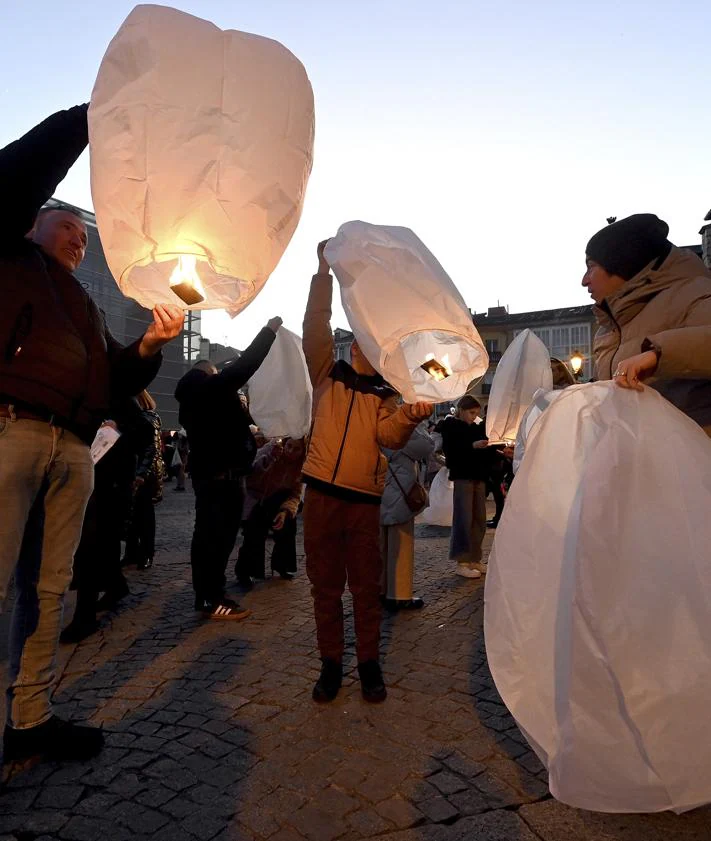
(669, 310)
(353, 415)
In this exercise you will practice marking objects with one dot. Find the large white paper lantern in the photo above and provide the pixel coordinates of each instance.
(524, 368)
(201, 148)
(598, 601)
(407, 315)
(280, 392)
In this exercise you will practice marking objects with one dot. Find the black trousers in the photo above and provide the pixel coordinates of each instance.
(141, 537)
(251, 558)
(218, 512)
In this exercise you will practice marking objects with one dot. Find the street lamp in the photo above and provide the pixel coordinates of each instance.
(576, 363)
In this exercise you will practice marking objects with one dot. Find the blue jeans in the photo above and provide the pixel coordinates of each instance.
(46, 478)
(468, 522)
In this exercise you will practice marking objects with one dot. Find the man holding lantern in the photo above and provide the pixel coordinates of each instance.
(59, 367)
(354, 414)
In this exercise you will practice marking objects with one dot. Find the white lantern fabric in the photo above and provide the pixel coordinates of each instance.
(201, 148)
(598, 601)
(524, 368)
(406, 312)
(440, 508)
(542, 399)
(280, 392)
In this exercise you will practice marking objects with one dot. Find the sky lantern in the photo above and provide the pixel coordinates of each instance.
(407, 315)
(201, 148)
(524, 368)
(598, 602)
(280, 392)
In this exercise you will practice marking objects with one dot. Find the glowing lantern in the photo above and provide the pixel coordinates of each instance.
(201, 148)
(524, 368)
(408, 317)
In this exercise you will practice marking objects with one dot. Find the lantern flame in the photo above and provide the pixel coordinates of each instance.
(185, 281)
(437, 370)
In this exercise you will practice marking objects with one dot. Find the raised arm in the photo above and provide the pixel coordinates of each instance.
(317, 339)
(240, 370)
(32, 167)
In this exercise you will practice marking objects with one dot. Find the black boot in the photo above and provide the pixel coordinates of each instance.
(146, 563)
(113, 595)
(372, 684)
(329, 681)
(55, 739)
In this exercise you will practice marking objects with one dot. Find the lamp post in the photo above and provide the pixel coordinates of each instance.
(576, 364)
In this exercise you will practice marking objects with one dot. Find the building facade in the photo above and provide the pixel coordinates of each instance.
(564, 332)
(127, 321)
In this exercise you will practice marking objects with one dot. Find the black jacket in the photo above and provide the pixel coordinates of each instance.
(463, 461)
(212, 414)
(56, 353)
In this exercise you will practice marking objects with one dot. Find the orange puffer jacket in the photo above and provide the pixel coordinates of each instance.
(353, 415)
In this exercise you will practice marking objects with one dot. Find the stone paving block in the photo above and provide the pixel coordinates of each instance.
(155, 796)
(447, 783)
(85, 828)
(438, 810)
(493, 826)
(498, 795)
(316, 825)
(203, 825)
(469, 802)
(43, 822)
(400, 812)
(553, 821)
(367, 823)
(97, 804)
(259, 820)
(171, 774)
(18, 800)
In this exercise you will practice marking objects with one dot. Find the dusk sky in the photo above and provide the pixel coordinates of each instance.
(503, 134)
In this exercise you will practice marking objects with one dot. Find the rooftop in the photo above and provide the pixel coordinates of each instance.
(499, 316)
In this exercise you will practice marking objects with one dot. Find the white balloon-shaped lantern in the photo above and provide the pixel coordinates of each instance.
(280, 392)
(598, 601)
(524, 368)
(201, 148)
(406, 314)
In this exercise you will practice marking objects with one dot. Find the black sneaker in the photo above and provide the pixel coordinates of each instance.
(329, 681)
(224, 608)
(55, 739)
(372, 684)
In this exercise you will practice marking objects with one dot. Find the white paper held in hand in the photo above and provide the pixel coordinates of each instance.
(105, 438)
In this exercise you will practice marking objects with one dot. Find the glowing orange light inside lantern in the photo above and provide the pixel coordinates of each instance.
(437, 370)
(185, 281)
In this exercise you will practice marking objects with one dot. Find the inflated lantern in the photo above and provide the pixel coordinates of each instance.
(524, 368)
(598, 601)
(201, 148)
(406, 314)
(280, 391)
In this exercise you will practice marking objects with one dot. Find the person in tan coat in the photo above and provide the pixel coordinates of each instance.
(653, 307)
(354, 414)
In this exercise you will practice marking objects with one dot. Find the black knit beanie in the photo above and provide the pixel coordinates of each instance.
(626, 247)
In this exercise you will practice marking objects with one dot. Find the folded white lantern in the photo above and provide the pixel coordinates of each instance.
(280, 392)
(201, 148)
(524, 368)
(407, 315)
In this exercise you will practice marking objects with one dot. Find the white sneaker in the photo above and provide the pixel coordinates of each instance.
(468, 571)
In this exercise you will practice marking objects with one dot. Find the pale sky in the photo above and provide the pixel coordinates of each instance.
(503, 134)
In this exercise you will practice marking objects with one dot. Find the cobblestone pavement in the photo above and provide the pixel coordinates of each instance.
(212, 733)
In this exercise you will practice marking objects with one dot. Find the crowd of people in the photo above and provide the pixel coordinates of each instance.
(359, 478)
